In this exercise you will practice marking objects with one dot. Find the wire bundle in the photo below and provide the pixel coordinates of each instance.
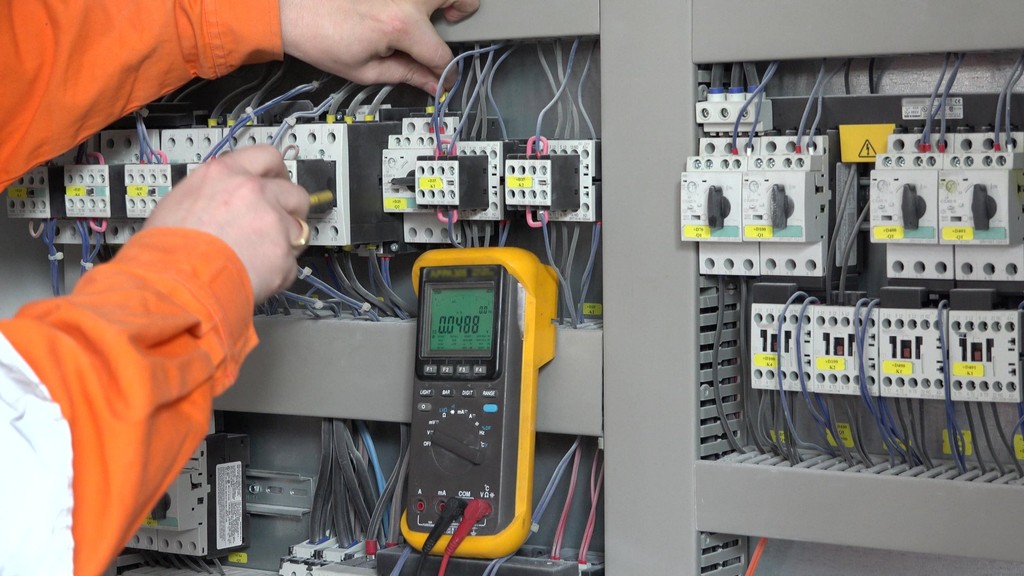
(252, 115)
(758, 94)
(1003, 105)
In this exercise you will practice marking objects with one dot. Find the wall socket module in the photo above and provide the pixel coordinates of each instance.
(985, 355)
(766, 344)
(835, 367)
(904, 206)
(184, 145)
(29, 196)
(909, 354)
(981, 207)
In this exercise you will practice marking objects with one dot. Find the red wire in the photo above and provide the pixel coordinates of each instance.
(556, 545)
(755, 558)
(444, 565)
(595, 493)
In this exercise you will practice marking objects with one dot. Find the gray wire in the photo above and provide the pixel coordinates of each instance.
(1003, 95)
(361, 97)
(1009, 100)
(833, 427)
(379, 100)
(384, 502)
(858, 440)
(916, 433)
(219, 108)
(579, 92)
(481, 86)
(316, 529)
(574, 118)
(339, 98)
(389, 293)
(945, 98)
(469, 78)
(821, 98)
(974, 439)
(554, 88)
(834, 240)
(716, 382)
(926, 139)
(572, 253)
(187, 91)
(854, 234)
(750, 71)
(988, 439)
(913, 446)
(490, 92)
(807, 107)
(1006, 441)
(748, 414)
(258, 96)
(921, 427)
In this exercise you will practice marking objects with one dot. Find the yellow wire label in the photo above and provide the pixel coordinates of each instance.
(888, 232)
(238, 558)
(965, 443)
(957, 233)
(766, 360)
(74, 191)
(149, 522)
(1018, 446)
(431, 183)
(593, 309)
(897, 368)
(138, 191)
(696, 232)
(758, 232)
(396, 203)
(519, 181)
(969, 369)
(17, 192)
(830, 363)
(845, 434)
(780, 434)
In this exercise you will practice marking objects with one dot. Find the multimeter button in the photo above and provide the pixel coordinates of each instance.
(447, 392)
(462, 369)
(468, 393)
(489, 393)
(446, 370)
(430, 369)
(426, 392)
(490, 408)
(479, 369)
(424, 407)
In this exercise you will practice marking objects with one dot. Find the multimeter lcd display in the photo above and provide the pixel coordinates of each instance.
(461, 321)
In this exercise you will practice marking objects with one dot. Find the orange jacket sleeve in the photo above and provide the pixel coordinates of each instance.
(71, 67)
(134, 357)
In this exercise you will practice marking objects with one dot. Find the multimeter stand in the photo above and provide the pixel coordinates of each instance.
(484, 330)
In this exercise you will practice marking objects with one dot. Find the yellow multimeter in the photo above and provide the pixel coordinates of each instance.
(484, 330)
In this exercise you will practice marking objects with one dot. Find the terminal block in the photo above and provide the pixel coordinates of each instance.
(185, 145)
(94, 191)
(909, 354)
(452, 182)
(985, 355)
(835, 367)
(203, 513)
(146, 184)
(32, 195)
(774, 351)
(719, 115)
(122, 146)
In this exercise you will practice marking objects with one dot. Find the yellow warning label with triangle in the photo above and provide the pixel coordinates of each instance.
(864, 142)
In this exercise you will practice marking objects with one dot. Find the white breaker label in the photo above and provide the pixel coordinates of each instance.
(917, 108)
(229, 505)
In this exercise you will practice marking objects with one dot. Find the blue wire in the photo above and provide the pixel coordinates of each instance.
(286, 125)
(397, 571)
(561, 89)
(779, 370)
(768, 74)
(926, 135)
(566, 291)
(441, 107)
(378, 473)
(503, 238)
(490, 94)
(873, 408)
(451, 232)
(952, 428)
(252, 116)
(588, 272)
(385, 270)
(472, 102)
(945, 98)
(336, 294)
(822, 417)
(49, 237)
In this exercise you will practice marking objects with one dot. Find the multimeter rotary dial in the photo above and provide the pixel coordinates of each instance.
(458, 440)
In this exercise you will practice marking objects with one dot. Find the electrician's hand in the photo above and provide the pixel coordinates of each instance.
(246, 199)
(372, 41)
